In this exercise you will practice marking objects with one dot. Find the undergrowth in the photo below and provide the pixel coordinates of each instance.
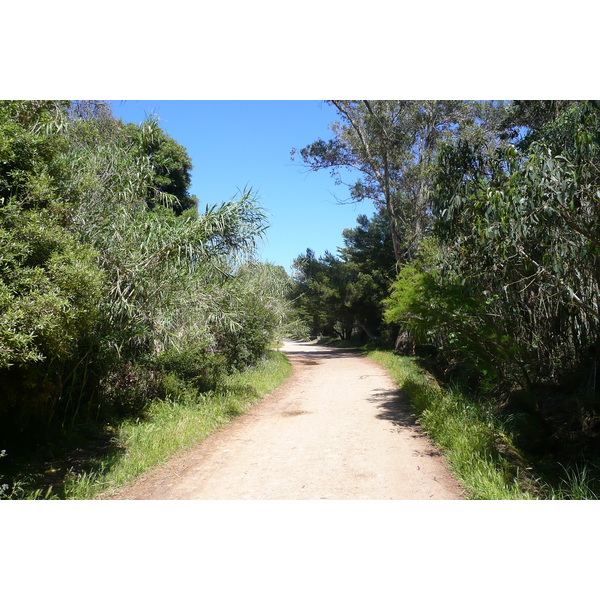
(165, 429)
(472, 436)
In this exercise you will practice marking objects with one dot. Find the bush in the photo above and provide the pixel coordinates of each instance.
(50, 290)
(461, 323)
(194, 365)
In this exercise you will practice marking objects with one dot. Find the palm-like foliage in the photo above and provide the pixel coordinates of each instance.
(119, 285)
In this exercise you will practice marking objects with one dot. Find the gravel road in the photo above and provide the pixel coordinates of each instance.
(337, 429)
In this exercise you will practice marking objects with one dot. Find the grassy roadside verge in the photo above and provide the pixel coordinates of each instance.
(167, 429)
(468, 435)
(474, 439)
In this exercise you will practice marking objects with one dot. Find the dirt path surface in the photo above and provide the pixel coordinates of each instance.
(337, 429)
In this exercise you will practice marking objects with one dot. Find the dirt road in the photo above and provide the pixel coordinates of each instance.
(337, 429)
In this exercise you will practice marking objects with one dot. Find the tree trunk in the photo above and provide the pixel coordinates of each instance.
(366, 330)
(404, 345)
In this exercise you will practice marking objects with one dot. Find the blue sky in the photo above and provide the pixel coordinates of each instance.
(235, 144)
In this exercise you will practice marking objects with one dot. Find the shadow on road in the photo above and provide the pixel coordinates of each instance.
(394, 408)
(307, 352)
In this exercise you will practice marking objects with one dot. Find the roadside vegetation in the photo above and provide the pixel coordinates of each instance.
(479, 440)
(123, 305)
(131, 447)
(129, 313)
(484, 270)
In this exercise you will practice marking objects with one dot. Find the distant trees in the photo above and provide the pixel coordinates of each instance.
(336, 295)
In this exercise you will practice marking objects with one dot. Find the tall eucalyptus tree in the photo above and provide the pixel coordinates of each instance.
(392, 144)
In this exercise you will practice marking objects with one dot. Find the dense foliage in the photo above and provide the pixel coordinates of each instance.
(517, 251)
(114, 289)
(493, 210)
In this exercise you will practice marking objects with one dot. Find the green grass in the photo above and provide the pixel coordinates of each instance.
(168, 429)
(467, 433)
(576, 484)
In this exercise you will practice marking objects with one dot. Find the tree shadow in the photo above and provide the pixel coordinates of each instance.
(317, 354)
(57, 456)
(393, 407)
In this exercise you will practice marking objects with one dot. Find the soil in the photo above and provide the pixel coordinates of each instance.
(337, 429)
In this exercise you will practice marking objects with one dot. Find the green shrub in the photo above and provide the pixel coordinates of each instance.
(50, 288)
(461, 322)
(50, 291)
(194, 365)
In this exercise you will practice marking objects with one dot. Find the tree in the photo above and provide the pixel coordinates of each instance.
(368, 252)
(392, 145)
(337, 295)
(170, 163)
(369, 245)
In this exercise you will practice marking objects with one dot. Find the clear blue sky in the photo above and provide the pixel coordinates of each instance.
(236, 143)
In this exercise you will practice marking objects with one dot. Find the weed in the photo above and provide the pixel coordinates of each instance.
(577, 484)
